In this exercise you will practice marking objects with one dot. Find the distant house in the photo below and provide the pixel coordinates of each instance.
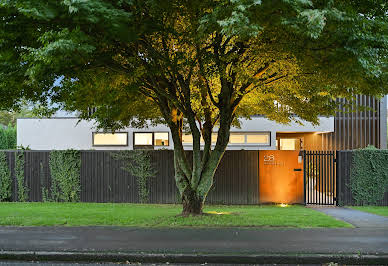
(346, 130)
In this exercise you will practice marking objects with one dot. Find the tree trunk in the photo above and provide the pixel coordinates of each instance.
(192, 204)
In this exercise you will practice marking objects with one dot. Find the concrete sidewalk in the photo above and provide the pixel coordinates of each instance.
(355, 217)
(226, 245)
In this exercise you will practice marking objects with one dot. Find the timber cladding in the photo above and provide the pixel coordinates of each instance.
(103, 180)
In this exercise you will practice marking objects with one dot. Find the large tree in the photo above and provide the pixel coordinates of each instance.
(194, 64)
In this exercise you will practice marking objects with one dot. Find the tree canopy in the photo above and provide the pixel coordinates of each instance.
(202, 63)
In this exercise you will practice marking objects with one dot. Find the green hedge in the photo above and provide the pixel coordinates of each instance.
(5, 178)
(7, 138)
(369, 175)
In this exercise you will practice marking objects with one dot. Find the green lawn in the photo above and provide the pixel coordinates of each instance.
(379, 210)
(82, 214)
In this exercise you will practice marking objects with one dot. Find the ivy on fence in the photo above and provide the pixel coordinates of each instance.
(369, 175)
(138, 163)
(65, 168)
(19, 173)
(5, 178)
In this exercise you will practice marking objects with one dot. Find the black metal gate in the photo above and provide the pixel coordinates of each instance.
(320, 186)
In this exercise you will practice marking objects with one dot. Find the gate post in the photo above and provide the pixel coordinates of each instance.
(304, 176)
(337, 165)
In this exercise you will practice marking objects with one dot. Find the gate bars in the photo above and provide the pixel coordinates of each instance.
(320, 187)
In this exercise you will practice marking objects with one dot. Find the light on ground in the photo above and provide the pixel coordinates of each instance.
(283, 205)
(218, 213)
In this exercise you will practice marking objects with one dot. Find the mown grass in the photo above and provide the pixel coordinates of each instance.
(153, 215)
(379, 210)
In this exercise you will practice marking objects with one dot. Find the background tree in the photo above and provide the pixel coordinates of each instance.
(22, 110)
(201, 64)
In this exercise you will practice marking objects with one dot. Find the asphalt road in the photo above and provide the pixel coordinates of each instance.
(125, 239)
(194, 245)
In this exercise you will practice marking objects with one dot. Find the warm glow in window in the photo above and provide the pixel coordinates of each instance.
(187, 139)
(289, 144)
(236, 138)
(143, 138)
(214, 138)
(258, 138)
(110, 139)
(161, 139)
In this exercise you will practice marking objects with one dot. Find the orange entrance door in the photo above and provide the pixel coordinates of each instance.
(280, 177)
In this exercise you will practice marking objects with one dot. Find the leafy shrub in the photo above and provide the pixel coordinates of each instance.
(138, 163)
(5, 179)
(19, 173)
(65, 168)
(369, 175)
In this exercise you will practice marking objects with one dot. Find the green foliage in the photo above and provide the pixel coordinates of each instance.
(7, 137)
(65, 169)
(19, 173)
(369, 175)
(201, 63)
(43, 179)
(112, 55)
(5, 178)
(21, 110)
(138, 163)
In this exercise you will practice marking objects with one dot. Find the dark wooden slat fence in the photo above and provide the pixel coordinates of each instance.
(103, 180)
(236, 180)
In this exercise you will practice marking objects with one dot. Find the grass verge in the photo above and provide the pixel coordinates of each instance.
(379, 210)
(154, 215)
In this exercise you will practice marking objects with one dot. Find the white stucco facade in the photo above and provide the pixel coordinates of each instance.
(70, 133)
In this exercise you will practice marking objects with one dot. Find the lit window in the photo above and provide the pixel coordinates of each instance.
(214, 138)
(143, 138)
(289, 144)
(258, 138)
(161, 139)
(236, 138)
(110, 139)
(187, 139)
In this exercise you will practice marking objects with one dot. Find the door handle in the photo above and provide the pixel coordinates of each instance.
(297, 169)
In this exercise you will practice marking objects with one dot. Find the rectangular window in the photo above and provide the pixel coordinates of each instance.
(214, 138)
(289, 144)
(142, 139)
(161, 138)
(110, 139)
(258, 138)
(187, 139)
(237, 138)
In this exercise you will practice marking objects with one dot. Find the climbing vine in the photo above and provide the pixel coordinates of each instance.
(369, 175)
(44, 189)
(138, 163)
(65, 168)
(5, 178)
(19, 173)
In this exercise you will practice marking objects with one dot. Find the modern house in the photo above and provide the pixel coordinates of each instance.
(264, 163)
(347, 130)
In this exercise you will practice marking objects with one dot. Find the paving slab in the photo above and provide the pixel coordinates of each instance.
(357, 218)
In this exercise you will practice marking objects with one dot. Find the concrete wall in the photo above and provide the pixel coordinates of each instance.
(69, 133)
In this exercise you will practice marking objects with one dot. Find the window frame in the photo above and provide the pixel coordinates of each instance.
(258, 144)
(168, 138)
(153, 138)
(245, 133)
(110, 145)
